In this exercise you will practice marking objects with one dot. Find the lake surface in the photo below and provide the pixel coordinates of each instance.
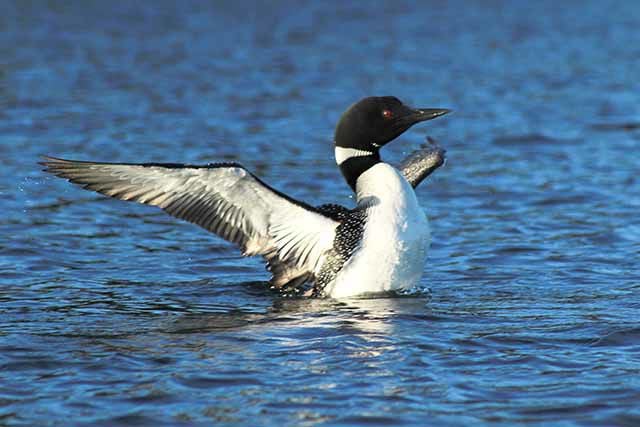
(113, 313)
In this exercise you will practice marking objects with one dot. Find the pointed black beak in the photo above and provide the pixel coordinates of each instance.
(416, 115)
(411, 116)
(423, 114)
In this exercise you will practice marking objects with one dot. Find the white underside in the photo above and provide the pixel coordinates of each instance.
(395, 240)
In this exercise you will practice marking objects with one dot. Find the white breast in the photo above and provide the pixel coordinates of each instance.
(395, 239)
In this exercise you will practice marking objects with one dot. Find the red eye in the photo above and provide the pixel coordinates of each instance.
(387, 114)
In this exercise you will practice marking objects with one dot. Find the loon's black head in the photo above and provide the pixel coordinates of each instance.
(374, 121)
(368, 125)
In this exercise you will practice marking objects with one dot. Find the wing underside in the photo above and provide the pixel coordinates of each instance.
(224, 199)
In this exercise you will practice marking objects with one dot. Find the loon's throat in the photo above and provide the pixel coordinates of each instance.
(354, 162)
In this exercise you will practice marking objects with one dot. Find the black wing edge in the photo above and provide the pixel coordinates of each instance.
(48, 160)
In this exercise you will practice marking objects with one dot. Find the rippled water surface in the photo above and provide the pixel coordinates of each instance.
(116, 314)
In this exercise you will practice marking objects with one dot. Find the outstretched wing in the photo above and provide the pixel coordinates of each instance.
(422, 162)
(223, 198)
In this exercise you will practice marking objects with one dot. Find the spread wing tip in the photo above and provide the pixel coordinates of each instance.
(61, 167)
(51, 164)
(48, 161)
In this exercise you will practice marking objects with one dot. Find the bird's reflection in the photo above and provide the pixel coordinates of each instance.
(367, 324)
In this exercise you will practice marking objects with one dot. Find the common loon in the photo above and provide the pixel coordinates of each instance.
(378, 246)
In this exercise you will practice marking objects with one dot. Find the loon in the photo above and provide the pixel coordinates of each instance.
(329, 250)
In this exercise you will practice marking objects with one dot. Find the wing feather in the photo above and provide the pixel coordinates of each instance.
(422, 162)
(223, 198)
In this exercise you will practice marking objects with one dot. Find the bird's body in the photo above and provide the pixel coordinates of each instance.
(380, 245)
(394, 240)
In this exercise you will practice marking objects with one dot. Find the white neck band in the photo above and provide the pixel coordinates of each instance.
(344, 154)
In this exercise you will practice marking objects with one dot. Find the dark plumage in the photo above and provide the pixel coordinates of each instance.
(348, 238)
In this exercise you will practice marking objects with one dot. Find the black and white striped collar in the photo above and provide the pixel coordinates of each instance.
(343, 154)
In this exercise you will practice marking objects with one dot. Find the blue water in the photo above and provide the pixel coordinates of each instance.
(113, 313)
